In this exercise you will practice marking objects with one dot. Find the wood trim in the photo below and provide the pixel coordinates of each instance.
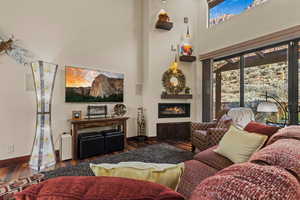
(207, 90)
(213, 3)
(277, 37)
(20, 160)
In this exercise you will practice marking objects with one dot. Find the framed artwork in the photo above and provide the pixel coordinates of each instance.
(90, 85)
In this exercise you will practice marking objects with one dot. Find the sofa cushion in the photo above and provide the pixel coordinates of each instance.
(165, 174)
(238, 145)
(213, 159)
(290, 132)
(100, 188)
(284, 153)
(194, 173)
(256, 127)
(249, 181)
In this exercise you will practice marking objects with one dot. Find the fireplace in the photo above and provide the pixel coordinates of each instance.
(174, 110)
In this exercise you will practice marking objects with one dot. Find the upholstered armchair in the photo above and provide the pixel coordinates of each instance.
(208, 134)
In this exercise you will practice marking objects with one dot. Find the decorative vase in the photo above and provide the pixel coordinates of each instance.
(141, 125)
(186, 48)
(43, 153)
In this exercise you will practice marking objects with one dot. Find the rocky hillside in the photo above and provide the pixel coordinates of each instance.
(104, 86)
(258, 80)
(256, 3)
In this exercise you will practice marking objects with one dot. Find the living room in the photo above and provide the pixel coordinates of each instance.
(163, 67)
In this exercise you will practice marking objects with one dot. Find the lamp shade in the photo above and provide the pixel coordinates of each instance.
(267, 107)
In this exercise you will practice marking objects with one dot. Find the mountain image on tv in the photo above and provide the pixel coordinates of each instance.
(87, 85)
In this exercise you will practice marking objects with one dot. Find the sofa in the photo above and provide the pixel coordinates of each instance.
(273, 172)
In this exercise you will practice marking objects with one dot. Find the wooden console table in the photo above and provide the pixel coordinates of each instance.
(77, 125)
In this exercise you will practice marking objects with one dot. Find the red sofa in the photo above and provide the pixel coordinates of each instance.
(271, 173)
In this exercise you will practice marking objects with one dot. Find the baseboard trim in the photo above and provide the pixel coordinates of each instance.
(20, 160)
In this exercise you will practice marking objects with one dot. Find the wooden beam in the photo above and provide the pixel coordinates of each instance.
(218, 93)
(270, 58)
(207, 91)
(213, 3)
(260, 54)
(280, 36)
(229, 61)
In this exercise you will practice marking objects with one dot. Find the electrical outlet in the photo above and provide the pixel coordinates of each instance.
(11, 148)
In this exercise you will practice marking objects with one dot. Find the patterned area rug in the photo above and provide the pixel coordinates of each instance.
(157, 153)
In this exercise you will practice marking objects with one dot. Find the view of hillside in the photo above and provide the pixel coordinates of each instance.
(230, 8)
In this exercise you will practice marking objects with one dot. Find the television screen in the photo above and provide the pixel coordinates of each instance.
(88, 85)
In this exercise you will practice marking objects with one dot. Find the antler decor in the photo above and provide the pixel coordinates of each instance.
(6, 45)
(18, 53)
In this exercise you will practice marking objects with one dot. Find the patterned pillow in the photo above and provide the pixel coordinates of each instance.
(249, 181)
(284, 153)
(8, 190)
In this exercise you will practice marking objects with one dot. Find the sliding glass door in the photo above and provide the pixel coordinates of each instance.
(263, 75)
(226, 84)
(266, 74)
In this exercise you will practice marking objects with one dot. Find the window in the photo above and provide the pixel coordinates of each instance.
(251, 78)
(219, 12)
(266, 73)
(226, 84)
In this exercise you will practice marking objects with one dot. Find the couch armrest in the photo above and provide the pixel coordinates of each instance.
(202, 126)
(214, 135)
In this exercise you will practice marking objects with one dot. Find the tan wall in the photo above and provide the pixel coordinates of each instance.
(158, 55)
(96, 33)
(270, 17)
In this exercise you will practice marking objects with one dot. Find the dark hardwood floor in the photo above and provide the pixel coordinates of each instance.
(22, 170)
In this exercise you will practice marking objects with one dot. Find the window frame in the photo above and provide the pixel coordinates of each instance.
(213, 3)
(293, 78)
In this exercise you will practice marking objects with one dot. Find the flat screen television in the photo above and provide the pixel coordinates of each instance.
(92, 86)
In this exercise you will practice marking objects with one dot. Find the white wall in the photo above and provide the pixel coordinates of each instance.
(270, 17)
(96, 33)
(158, 55)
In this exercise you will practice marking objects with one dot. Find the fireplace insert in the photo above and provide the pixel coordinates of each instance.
(174, 110)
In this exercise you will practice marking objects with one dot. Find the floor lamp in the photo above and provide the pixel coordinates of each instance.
(270, 107)
(43, 153)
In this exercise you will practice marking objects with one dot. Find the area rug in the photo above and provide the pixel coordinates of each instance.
(157, 153)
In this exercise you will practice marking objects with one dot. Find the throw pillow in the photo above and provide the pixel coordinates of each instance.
(249, 181)
(290, 132)
(165, 174)
(256, 127)
(284, 153)
(8, 190)
(100, 188)
(238, 145)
